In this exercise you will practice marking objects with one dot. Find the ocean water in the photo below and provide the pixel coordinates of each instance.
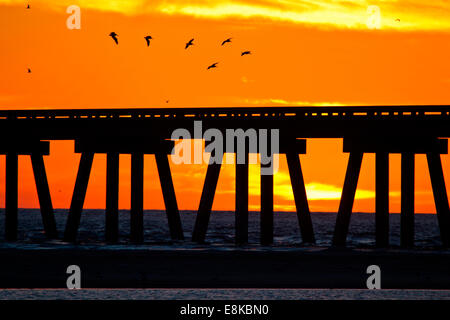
(220, 236)
(221, 228)
(222, 294)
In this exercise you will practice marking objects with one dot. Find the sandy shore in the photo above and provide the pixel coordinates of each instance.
(146, 267)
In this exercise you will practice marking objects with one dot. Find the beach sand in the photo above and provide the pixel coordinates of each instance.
(120, 266)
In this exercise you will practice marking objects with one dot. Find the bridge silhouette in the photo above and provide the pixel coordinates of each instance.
(382, 130)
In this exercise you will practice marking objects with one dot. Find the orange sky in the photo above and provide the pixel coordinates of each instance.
(306, 52)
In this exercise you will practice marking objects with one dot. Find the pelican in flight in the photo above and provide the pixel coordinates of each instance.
(148, 38)
(214, 65)
(245, 53)
(190, 43)
(226, 41)
(114, 36)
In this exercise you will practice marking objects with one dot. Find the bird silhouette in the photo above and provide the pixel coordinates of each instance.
(398, 20)
(226, 41)
(190, 43)
(148, 38)
(214, 65)
(29, 70)
(245, 53)
(114, 36)
(28, 6)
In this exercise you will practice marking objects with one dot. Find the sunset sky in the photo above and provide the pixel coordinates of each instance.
(304, 52)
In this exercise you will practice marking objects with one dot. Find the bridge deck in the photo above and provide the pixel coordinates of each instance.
(383, 130)
(302, 122)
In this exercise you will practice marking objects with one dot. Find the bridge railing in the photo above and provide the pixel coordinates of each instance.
(372, 112)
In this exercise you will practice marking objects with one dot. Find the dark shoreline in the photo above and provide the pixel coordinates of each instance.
(172, 267)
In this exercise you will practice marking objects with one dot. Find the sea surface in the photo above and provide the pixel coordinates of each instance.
(220, 236)
(221, 228)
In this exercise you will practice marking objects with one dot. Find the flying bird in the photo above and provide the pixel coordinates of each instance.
(190, 43)
(29, 70)
(28, 6)
(245, 53)
(226, 41)
(214, 65)
(398, 20)
(114, 36)
(148, 38)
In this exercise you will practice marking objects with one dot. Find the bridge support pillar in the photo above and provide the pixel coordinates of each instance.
(137, 198)
(112, 197)
(79, 194)
(290, 146)
(45, 200)
(382, 147)
(170, 201)
(347, 199)
(382, 199)
(35, 149)
(266, 226)
(241, 192)
(440, 196)
(113, 147)
(407, 200)
(11, 196)
(300, 198)
(206, 202)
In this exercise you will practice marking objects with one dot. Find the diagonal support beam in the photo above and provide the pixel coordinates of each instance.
(206, 202)
(300, 197)
(347, 199)
(440, 196)
(79, 194)
(43, 191)
(170, 200)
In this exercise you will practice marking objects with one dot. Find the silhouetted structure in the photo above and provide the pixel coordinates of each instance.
(407, 130)
(36, 150)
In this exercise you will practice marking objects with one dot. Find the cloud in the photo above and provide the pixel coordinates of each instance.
(283, 190)
(282, 102)
(314, 190)
(414, 14)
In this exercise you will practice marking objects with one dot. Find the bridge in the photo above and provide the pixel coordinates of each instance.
(382, 130)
